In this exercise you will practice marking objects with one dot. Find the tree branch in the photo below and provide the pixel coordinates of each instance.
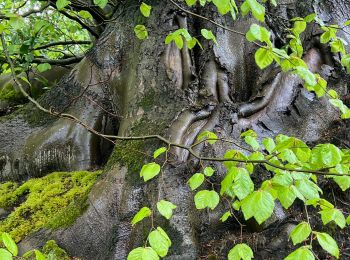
(67, 61)
(61, 43)
(30, 12)
(89, 29)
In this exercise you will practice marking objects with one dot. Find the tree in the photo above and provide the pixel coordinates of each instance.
(209, 81)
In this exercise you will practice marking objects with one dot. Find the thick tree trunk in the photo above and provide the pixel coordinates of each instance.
(158, 89)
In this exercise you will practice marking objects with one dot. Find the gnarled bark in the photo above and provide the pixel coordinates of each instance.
(157, 89)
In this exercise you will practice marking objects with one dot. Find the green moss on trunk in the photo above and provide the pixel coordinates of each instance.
(52, 201)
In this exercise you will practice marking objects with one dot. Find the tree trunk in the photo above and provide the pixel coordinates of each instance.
(154, 88)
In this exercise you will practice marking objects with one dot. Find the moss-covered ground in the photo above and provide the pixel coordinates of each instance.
(53, 201)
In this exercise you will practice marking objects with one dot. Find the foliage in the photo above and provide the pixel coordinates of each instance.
(30, 25)
(295, 167)
(52, 201)
(50, 250)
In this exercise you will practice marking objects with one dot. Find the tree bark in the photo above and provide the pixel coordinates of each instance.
(158, 89)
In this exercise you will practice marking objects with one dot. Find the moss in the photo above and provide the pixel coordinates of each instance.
(51, 248)
(148, 101)
(6, 191)
(52, 201)
(128, 153)
(9, 93)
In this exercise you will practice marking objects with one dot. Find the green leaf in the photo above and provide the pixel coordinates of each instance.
(9, 243)
(259, 204)
(332, 214)
(320, 88)
(39, 255)
(339, 104)
(338, 46)
(101, 3)
(240, 251)
(263, 57)
(343, 182)
(85, 14)
(43, 67)
(206, 199)
(269, 144)
(299, 27)
(143, 213)
(249, 132)
(348, 220)
(243, 185)
(196, 180)
(252, 142)
(208, 135)
(282, 178)
(328, 243)
(257, 9)
(326, 155)
(150, 171)
(207, 34)
(227, 182)
(226, 215)
(141, 32)
(179, 41)
(302, 253)
(208, 171)
(236, 205)
(286, 195)
(61, 4)
(256, 156)
(166, 208)
(145, 9)
(143, 253)
(288, 155)
(274, 2)
(301, 232)
(257, 32)
(159, 241)
(223, 6)
(159, 152)
(5, 255)
(292, 62)
(190, 2)
(308, 188)
(306, 75)
(310, 18)
(233, 154)
(345, 61)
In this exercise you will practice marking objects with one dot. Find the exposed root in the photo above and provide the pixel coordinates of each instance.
(210, 79)
(186, 57)
(182, 124)
(190, 137)
(313, 59)
(223, 87)
(209, 126)
(178, 63)
(173, 64)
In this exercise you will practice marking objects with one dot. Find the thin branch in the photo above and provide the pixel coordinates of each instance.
(30, 12)
(206, 19)
(35, 11)
(88, 28)
(66, 61)
(62, 43)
